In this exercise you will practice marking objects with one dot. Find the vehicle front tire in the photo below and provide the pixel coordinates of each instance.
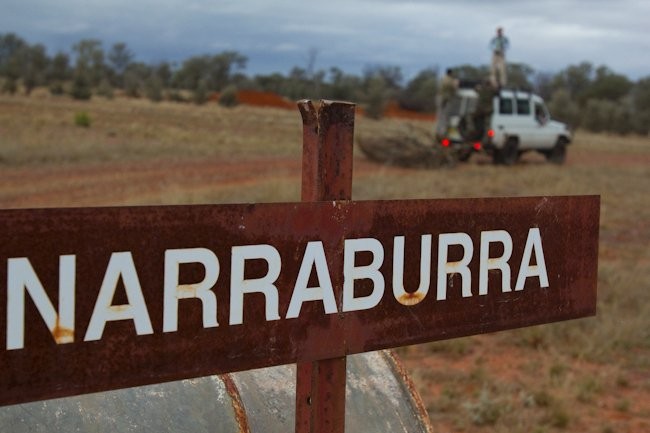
(557, 155)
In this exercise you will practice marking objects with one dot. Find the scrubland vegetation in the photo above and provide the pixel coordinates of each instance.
(595, 98)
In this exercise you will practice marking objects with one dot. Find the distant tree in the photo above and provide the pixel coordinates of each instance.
(242, 81)
(641, 122)
(59, 68)
(81, 85)
(135, 76)
(641, 92)
(34, 64)
(119, 58)
(342, 86)
(608, 85)
(90, 60)
(298, 84)
(472, 73)
(200, 93)
(378, 93)
(11, 47)
(163, 71)
(380, 85)
(10, 44)
(543, 84)
(391, 75)
(211, 72)
(11, 71)
(420, 93)
(519, 76)
(576, 79)
(639, 101)
(270, 83)
(153, 87)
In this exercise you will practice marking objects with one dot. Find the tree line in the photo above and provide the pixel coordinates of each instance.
(592, 97)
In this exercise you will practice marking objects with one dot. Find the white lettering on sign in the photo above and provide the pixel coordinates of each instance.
(23, 279)
(314, 258)
(461, 267)
(20, 278)
(265, 285)
(526, 270)
(402, 296)
(494, 263)
(120, 266)
(201, 290)
(371, 271)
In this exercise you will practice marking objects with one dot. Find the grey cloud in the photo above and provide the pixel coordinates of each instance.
(415, 34)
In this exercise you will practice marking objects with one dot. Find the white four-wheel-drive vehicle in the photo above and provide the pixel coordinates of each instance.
(519, 122)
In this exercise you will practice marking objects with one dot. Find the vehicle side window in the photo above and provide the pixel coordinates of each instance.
(523, 107)
(505, 106)
(541, 114)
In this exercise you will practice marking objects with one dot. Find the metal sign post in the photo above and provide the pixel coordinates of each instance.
(326, 175)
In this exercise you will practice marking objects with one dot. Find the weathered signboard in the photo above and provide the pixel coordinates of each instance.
(104, 298)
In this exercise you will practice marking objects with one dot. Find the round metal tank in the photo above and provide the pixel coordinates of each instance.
(379, 398)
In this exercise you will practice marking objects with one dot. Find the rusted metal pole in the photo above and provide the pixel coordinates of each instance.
(326, 175)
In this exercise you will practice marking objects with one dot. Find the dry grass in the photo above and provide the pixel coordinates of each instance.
(42, 130)
(589, 375)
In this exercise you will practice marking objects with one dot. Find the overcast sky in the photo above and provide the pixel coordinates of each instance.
(276, 35)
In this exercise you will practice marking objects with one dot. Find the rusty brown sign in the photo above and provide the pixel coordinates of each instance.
(104, 298)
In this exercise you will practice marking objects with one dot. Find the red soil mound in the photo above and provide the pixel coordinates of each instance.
(264, 99)
(269, 99)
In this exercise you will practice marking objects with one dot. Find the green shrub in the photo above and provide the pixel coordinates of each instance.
(228, 97)
(377, 98)
(82, 119)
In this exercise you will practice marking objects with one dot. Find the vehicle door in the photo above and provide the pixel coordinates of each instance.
(524, 123)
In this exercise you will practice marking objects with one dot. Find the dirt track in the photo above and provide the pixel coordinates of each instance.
(114, 183)
(144, 182)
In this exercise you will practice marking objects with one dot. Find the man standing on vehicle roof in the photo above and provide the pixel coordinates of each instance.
(499, 44)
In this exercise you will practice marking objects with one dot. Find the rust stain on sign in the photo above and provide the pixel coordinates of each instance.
(105, 298)
(410, 298)
(62, 334)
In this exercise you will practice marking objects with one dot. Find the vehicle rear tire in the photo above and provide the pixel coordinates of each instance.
(509, 154)
(557, 155)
